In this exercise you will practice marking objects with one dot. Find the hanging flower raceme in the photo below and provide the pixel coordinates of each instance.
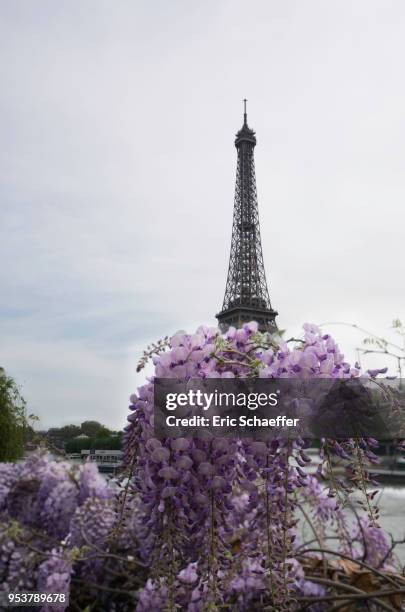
(188, 487)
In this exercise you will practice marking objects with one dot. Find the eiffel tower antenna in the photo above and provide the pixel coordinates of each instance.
(246, 293)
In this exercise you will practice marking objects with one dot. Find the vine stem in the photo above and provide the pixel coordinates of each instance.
(212, 574)
(223, 361)
(171, 576)
(317, 537)
(361, 329)
(285, 523)
(357, 561)
(336, 584)
(268, 527)
(356, 596)
(363, 484)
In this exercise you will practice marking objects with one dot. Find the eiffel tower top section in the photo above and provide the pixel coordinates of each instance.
(246, 293)
(245, 134)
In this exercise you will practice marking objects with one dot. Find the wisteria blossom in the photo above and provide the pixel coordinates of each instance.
(197, 524)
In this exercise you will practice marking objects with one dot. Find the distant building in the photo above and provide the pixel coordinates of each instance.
(107, 461)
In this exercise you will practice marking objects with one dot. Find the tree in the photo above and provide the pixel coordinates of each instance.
(68, 432)
(13, 422)
(107, 443)
(94, 429)
(77, 444)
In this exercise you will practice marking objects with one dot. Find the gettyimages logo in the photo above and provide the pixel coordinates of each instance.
(204, 400)
(266, 408)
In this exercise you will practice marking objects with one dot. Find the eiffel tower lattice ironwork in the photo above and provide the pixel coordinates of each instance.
(246, 294)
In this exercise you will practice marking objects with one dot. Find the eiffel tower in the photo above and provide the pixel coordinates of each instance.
(246, 293)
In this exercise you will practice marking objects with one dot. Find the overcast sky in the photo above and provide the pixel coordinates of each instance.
(117, 169)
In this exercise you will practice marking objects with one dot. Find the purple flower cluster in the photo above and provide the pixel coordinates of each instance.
(201, 523)
(189, 489)
(371, 544)
(43, 505)
(54, 576)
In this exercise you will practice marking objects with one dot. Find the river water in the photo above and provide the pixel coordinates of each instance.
(391, 501)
